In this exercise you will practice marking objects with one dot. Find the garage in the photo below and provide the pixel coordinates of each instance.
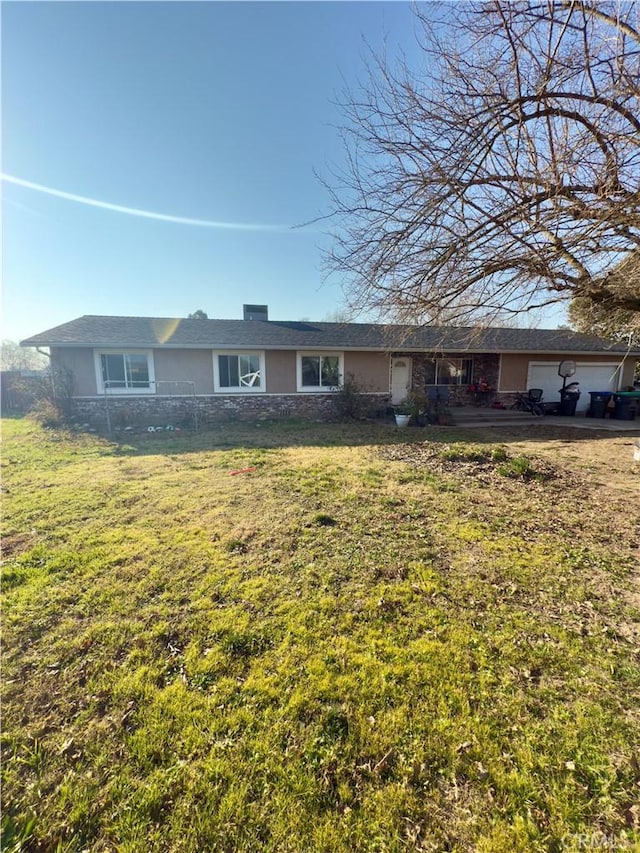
(592, 376)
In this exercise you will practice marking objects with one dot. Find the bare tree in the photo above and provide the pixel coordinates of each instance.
(501, 176)
(15, 357)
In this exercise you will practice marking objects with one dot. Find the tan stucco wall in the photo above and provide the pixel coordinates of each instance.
(184, 365)
(82, 366)
(280, 367)
(190, 365)
(369, 369)
(628, 372)
(513, 373)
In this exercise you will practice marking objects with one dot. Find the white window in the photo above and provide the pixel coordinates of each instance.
(124, 371)
(319, 371)
(238, 372)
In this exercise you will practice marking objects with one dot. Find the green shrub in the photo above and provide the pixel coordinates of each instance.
(351, 404)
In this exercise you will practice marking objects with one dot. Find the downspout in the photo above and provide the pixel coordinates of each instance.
(53, 384)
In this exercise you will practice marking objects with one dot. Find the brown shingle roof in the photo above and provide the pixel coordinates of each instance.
(163, 332)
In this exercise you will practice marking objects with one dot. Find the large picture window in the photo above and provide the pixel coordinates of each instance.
(125, 371)
(238, 372)
(319, 371)
(449, 371)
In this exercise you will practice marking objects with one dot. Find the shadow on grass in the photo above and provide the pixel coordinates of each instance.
(301, 433)
(293, 432)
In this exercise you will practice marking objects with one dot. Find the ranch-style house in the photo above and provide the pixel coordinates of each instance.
(259, 368)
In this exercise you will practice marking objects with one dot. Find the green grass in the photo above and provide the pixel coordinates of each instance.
(360, 645)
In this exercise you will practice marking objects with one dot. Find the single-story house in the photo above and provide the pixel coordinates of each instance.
(256, 367)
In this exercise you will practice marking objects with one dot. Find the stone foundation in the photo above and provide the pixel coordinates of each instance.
(193, 412)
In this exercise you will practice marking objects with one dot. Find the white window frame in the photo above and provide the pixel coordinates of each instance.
(241, 389)
(318, 389)
(97, 355)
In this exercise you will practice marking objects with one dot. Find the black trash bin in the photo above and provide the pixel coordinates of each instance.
(624, 406)
(599, 403)
(568, 402)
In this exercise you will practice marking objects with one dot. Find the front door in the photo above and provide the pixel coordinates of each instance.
(400, 378)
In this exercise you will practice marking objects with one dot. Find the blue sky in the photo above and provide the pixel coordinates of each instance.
(207, 111)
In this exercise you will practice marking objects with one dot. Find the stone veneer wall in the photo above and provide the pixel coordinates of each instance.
(485, 365)
(179, 411)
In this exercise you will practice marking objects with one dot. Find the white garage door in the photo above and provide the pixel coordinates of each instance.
(592, 377)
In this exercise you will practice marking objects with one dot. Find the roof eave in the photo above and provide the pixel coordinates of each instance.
(329, 346)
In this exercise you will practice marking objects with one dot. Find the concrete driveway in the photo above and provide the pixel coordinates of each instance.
(498, 418)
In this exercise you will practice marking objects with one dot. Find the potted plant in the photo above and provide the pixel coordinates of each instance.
(419, 405)
(445, 418)
(402, 412)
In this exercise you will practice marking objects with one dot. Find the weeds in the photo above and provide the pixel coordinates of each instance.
(521, 467)
(466, 453)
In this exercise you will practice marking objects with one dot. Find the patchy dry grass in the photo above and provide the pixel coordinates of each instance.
(357, 645)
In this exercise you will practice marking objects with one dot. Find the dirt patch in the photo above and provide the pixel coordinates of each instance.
(586, 488)
(485, 464)
(15, 543)
(604, 460)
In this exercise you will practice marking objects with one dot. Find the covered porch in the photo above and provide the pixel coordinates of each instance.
(455, 380)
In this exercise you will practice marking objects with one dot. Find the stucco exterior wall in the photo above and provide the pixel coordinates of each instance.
(369, 369)
(183, 365)
(280, 367)
(79, 361)
(514, 367)
(628, 372)
(169, 365)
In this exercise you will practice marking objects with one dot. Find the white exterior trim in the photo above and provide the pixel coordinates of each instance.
(243, 389)
(123, 351)
(307, 389)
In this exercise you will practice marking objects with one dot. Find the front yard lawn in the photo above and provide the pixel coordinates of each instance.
(306, 637)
